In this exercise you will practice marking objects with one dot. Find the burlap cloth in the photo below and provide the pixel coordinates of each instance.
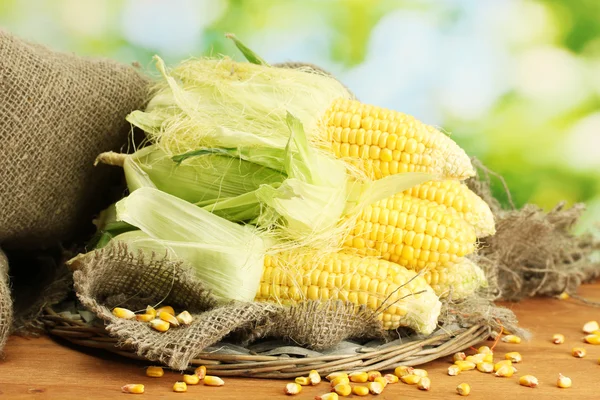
(5, 301)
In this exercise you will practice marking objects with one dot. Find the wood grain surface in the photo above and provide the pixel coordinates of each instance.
(43, 368)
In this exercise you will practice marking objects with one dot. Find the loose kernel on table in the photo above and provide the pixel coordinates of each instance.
(563, 296)
(558, 338)
(514, 357)
(360, 390)
(201, 372)
(488, 358)
(424, 383)
(476, 358)
(484, 350)
(403, 370)
(302, 380)
(391, 378)
(334, 375)
(372, 375)
(292, 388)
(578, 352)
(160, 325)
(327, 396)
(410, 379)
(590, 327)
(511, 339)
(419, 372)
(133, 388)
(180, 387)
(529, 381)
(184, 318)
(463, 389)
(465, 365)
(338, 380)
(375, 387)
(453, 370)
(314, 377)
(592, 339)
(343, 389)
(563, 381)
(213, 381)
(123, 313)
(191, 379)
(358, 377)
(486, 367)
(381, 380)
(460, 356)
(506, 371)
(154, 372)
(502, 363)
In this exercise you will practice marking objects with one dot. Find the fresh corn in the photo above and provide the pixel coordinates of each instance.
(424, 383)
(529, 381)
(375, 387)
(292, 388)
(294, 276)
(412, 232)
(358, 377)
(123, 313)
(456, 195)
(154, 372)
(133, 388)
(563, 381)
(180, 387)
(213, 381)
(463, 389)
(191, 379)
(383, 142)
(360, 390)
(343, 389)
(457, 280)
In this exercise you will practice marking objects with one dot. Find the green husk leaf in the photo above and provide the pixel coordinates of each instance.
(250, 55)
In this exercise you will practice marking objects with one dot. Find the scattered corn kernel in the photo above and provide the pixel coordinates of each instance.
(165, 316)
(592, 339)
(463, 389)
(578, 352)
(563, 296)
(184, 318)
(375, 387)
(191, 379)
(465, 365)
(460, 356)
(210, 380)
(488, 358)
(391, 378)
(505, 371)
(511, 339)
(419, 372)
(476, 358)
(314, 377)
(167, 309)
(590, 327)
(339, 380)
(180, 387)
(334, 375)
(486, 367)
(381, 380)
(502, 363)
(372, 375)
(303, 380)
(484, 350)
(327, 396)
(144, 317)
(529, 381)
(453, 370)
(514, 357)
(201, 372)
(155, 372)
(424, 383)
(160, 325)
(558, 338)
(563, 381)
(359, 377)
(360, 390)
(124, 313)
(292, 388)
(403, 370)
(133, 388)
(343, 389)
(410, 379)
(150, 310)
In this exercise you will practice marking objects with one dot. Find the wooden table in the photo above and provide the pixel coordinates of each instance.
(45, 368)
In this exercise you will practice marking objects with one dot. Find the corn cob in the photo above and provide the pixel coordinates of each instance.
(458, 196)
(458, 280)
(293, 276)
(414, 233)
(384, 142)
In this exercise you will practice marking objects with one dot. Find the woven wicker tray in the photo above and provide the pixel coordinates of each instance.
(277, 359)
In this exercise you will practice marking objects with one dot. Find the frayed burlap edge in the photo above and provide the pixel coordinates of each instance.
(5, 302)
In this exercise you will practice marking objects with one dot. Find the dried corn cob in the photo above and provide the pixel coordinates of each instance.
(295, 276)
(458, 279)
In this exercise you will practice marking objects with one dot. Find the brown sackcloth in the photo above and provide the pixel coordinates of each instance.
(5, 301)
(113, 277)
(58, 112)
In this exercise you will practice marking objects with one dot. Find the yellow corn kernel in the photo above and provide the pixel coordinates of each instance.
(511, 339)
(505, 371)
(453, 370)
(167, 309)
(371, 375)
(184, 318)
(410, 379)
(424, 383)
(180, 387)
(489, 358)
(419, 372)
(159, 325)
(592, 339)
(403, 370)
(484, 350)
(302, 380)
(476, 358)
(124, 313)
(358, 377)
(134, 388)
(292, 388)
(360, 390)
(501, 364)
(463, 389)
(391, 378)
(563, 381)
(578, 352)
(314, 377)
(201, 372)
(381, 380)
(154, 372)
(343, 389)
(327, 396)
(558, 338)
(144, 317)
(590, 327)
(529, 381)
(191, 379)
(563, 296)
(165, 316)
(375, 387)
(334, 375)
(486, 367)
(465, 365)
(339, 380)
(514, 357)
(460, 356)
(151, 311)
(210, 380)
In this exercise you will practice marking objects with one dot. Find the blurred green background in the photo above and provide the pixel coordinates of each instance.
(516, 82)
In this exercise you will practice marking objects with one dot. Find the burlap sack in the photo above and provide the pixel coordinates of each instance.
(58, 112)
(110, 278)
(5, 301)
